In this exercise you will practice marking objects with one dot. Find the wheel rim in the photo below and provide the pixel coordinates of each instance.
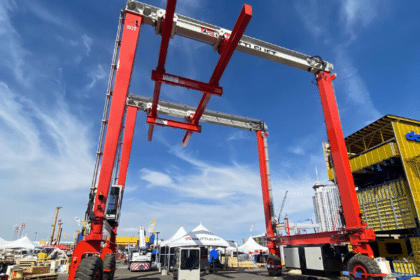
(271, 264)
(361, 269)
(97, 275)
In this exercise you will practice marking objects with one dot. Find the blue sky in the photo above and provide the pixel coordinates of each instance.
(54, 62)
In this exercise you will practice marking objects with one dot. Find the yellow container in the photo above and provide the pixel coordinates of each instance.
(387, 206)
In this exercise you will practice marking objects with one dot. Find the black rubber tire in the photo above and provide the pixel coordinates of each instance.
(90, 268)
(274, 260)
(109, 263)
(362, 263)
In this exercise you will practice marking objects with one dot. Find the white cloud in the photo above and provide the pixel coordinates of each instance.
(155, 178)
(359, 12)
(238, 135)
(96, 74)
(46, 150)
(12, 55)
(87, 43)
(128, 229)
(356, 91)
(42, 147)
(310, 15)
(84, 42)
(297, 150)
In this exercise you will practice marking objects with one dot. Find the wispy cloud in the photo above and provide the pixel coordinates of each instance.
(96, 74)
(84, 42)
(46, 148)
(355, 15)
(356, 91)
(359, 13)
(238, 135)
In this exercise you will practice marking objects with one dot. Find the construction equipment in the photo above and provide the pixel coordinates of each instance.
(97, 250)
(282, 205)
(22, 230)
(54, 224)
(16, 232)
(142, 256)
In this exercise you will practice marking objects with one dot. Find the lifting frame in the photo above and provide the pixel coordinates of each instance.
(113, 154)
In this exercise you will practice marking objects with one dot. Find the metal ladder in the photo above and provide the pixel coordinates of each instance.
(99, 150)
(267, 164)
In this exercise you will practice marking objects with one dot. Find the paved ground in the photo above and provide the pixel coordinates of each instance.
(249, 274)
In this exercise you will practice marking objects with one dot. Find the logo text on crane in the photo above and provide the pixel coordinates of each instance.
(129, 27)
(412, 136)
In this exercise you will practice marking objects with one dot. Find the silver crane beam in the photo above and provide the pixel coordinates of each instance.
(184, 111)
(213, 35)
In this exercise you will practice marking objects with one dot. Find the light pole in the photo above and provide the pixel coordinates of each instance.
(157, 246)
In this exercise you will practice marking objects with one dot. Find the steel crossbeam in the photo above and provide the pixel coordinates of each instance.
(213, 35)
(166, 35)
(184, 112)
(227, 48)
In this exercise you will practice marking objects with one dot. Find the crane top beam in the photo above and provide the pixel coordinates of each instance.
(213, 35)
(185, 112)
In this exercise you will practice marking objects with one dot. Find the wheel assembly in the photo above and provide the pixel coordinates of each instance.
(361, 267)
(90, 268)
(273, 261)
(109, 263)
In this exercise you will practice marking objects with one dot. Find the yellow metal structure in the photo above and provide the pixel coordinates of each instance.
(387, 206)
(394, 203)
(121, 240)
(405, 266)
(415, 245)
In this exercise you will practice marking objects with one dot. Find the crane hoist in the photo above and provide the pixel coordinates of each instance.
(94, 257)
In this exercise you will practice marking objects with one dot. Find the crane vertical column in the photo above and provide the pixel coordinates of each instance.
(266, 192)
(92, 242)
(130, 123)
(339, 151)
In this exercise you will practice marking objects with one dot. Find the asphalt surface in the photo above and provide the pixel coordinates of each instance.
(249, 274)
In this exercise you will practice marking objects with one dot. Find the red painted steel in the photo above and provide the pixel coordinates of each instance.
(266, 196)
(164, 43)
(92, 242)
(128, 47)
(355, 233)
(174, 80)
(83, 247)
(130, 123)
(174, 124)
(229, 46)
(357, 237)
(339, 151)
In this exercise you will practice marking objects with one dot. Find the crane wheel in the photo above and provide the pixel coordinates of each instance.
(90, 268)
(109, 263)
(272, 262)
(363, 264)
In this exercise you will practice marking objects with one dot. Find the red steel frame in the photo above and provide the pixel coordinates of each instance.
(355, 233)
(91, 245)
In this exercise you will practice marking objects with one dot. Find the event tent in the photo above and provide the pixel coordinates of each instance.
(200, 236)
(251, 247)
(21, 243)
(180, 233)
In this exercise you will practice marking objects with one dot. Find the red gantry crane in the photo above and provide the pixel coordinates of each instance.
(94, 257)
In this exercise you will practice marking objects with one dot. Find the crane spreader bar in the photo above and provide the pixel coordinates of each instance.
(184, 111)
(213, 35)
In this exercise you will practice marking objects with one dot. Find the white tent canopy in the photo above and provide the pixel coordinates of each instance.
(251, 246)
(22, 243)
(180, 233)
(200, 236)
